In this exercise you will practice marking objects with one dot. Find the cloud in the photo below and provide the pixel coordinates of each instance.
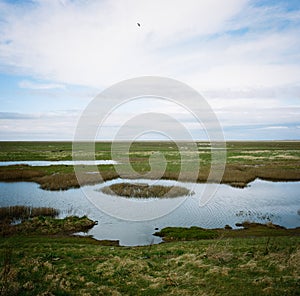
(275, 92)
(274, 127)
(15, 116)
(40, 86)
(212, 44)
(242, 55)
(50, 114)
(97, 43)
(52, 125)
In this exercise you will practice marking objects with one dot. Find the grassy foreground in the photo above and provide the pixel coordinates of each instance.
(41, 265)
(38, 257)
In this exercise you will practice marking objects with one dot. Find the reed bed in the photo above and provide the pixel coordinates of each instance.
(141, 190)
(13, 213)
(19, 173)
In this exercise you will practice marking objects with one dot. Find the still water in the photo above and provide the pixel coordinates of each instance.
(261, 201)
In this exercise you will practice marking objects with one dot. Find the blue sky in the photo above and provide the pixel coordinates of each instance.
(242, 56)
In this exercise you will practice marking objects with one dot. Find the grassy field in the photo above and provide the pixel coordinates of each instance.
(42, 265)
(38, 258)
(246, 161)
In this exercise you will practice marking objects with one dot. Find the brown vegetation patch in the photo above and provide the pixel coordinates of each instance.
(23, 212)
(142, 190)
(19, 173)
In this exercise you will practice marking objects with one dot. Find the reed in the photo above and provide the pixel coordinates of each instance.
(13, 213)
(141, 190)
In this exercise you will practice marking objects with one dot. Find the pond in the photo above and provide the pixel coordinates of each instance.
(261, 201)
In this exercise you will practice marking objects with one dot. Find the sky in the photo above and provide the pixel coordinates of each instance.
(242, 56)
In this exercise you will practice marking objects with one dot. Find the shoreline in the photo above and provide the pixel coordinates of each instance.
(61, 180)
(245, 161)
(44, 222)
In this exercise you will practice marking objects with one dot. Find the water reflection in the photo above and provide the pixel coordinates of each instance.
(260, 201)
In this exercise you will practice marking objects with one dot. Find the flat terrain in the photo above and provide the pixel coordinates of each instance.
(37, 257)
(42, 265)
(246, 161)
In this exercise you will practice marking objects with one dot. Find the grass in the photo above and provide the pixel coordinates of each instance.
(182, 233)
(52, 177)
(50, 226)
(13, 213)
(42, 265)
(249, 229)
(246, 161)
(37, 257)
(39, 221)
(140, 190)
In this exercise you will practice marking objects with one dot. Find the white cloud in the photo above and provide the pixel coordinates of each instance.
(55, 125)
(39, 86)
(98, 43)
(246, 59)
(274, 127)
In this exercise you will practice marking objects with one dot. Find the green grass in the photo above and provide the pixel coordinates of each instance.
(45, 225)
(246, 161)
(248, 230)
(38, 258)
(182, 233)
(41, 265)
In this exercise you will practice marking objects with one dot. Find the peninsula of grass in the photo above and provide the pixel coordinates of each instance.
(40, 221)
(248, 229)
(143, 190)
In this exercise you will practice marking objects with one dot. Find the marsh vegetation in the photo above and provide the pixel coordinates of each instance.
(246, 161)
(21, 213)
(40, 221)
(144, 190)
(39, 257)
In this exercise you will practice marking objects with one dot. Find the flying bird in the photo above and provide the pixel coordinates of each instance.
(138, 24)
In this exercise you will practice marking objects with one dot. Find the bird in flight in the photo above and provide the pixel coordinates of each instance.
(138, 24)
